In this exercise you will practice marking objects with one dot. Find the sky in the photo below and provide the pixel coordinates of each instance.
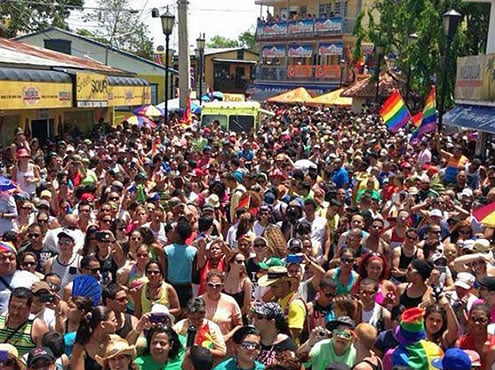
(228, 18)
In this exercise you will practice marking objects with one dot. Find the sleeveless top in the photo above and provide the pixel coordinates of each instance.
(90, 363)
(134, 280)
(395, 239)
(69, 271)
(409, 302)
(147, 303)
(126, 328)
(404, 261)
(29, 188)
(374, 367)
(21, 339)
(239, 297)
(341, 288)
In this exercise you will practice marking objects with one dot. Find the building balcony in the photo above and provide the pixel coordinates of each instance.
(292, 73)
(304, 28)
(229, 86)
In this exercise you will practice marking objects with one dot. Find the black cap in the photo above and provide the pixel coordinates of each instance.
(343, 320)
(38, 353)
(488, 282)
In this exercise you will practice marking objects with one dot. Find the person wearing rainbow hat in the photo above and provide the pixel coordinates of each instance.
(414, 351)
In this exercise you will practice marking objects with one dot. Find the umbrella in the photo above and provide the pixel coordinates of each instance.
(195, 108)
(486, 214)
(149, 111)
(140, 121)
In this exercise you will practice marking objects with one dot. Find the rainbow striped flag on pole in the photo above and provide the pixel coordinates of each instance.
(394, 112)
(429, 120)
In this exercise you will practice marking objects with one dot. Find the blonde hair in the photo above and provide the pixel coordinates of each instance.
(367, 334)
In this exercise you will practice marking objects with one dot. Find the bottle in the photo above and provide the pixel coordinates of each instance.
(191, 336)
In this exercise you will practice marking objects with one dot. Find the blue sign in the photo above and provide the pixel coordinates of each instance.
(330, 48)
(300, 51)
(273, 51)
(271, 29)
(475, 117)
(302, 26)
(329, 25)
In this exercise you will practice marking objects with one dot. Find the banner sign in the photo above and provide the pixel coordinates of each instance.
(329, 72)
(301, 51)
(475, 78)
(273, 51)
(302, 26)
(267, 30)
(35, 95)
(299, 71)
(121, 96)
(91, 90)
(324, 25)
(330, 48)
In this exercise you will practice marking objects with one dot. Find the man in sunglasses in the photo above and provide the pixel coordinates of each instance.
(320, 351)
(34, 243)
(320, 309)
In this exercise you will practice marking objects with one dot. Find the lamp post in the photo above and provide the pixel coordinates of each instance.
(342, 67)
(451, 21)
(200, 45)
(379, 51)
(412, 37)
(168, 21)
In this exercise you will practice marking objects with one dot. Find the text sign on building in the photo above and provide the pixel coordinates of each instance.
(91, 90)
(273, 51)
(302, 26)
(300, 51)
(475, 78)
(275, 29)
(330, 48)
(325, 25)
(35, 95)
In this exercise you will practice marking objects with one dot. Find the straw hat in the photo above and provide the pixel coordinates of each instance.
(117, 346)
(12, 352)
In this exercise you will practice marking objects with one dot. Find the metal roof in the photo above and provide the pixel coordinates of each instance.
(19, 53)
(367, 88)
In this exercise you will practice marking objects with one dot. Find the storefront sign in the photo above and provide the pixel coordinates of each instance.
(300, 71)
(35, 95)
(273, 51)
(333, 25)
(121, 96)
(234, 97)
(273, 29)
(92, 90)
(303, 26)
(330, 48)
(330, 72)
(475, 78)
(301, 51)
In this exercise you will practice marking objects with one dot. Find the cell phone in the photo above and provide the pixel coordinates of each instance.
(100, 235)
(47, 298)
(159, 318)
(4, 356)
(294, 258)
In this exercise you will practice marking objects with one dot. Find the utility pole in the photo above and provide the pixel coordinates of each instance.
(184, 62)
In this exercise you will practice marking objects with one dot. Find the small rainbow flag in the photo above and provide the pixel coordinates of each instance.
(429, 120)
(394, 112)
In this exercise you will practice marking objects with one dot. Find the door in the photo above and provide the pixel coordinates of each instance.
(42, 129)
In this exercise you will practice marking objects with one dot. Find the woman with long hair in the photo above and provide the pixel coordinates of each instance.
(163, 350)
(374, 266)
(462, 230)
(344, 275)
(119, 355)
(93, 335)
(156, 290)
(441, 324)
(25, 173)
(237, 283)
(90, 243)
(415, 290)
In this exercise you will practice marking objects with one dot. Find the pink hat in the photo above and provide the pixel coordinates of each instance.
(22, 153)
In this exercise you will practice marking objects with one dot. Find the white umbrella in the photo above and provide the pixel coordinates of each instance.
(304, 165)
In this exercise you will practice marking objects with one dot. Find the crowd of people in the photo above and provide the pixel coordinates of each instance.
(318, 240)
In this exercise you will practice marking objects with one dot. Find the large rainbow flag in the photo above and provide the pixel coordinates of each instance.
(394, 112)
(429, 119)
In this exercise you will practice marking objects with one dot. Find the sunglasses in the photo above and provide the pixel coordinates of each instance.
(260, 246)
(479, 320)
(346, 260)
(329, 295)
(240, 262)
(153, 272)
(107, 221)
(250, 345)
(95, 270)
(346, 334)
(54, 286)
(26, 208)
(368, 293)
(106, 210)
(43, 221)
(29, 264)
(34, 235)
(215, 286)
(136, 239)
(113, 199)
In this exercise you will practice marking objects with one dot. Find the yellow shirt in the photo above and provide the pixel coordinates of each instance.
(296, 312)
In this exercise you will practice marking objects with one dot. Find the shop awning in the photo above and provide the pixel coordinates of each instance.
(128, 91)
(474, 117)
(126, 81)
(35, 75)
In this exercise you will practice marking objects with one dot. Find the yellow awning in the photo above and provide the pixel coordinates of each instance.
(332, 98)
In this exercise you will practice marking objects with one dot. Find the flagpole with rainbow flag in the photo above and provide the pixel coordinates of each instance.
(429, 118)
(394, 112)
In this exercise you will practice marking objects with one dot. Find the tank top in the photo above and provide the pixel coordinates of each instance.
(147, 303)
(90, 363)
(135, 279)
(67, 272)
(239, 297)
(409, 302)
(374, 367)
(126, 328)
(341, 288)
(395, 239)
(404, 261)
(21, 338)
(29, 188)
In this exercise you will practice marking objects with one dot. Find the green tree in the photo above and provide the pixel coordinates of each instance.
(120, 27)
(218, 41)
(424, 56)
(247, 39)
(31, 16)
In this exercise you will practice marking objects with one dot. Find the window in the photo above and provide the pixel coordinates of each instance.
(62, 46)
(338, 8)
(240, 54)
(154, 94)
(324, 10)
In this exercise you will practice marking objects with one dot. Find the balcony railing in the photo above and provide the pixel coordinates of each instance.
(299, 73)
(305, 27)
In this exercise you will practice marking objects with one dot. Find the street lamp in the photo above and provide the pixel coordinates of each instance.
(451, 21)
(168, 21)
(379, 51)
(342, 67)
(200, 45)
(412, 37)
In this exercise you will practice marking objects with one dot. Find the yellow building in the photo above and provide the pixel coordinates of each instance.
(305, 43)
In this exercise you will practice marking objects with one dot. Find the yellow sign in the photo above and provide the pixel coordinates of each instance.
(120, 96)
(476, 78)
(234, 97)
(34, 95)
(91, 90)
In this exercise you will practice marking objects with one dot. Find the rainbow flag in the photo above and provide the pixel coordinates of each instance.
(416, 119)
(429, 120)
(394, 112)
